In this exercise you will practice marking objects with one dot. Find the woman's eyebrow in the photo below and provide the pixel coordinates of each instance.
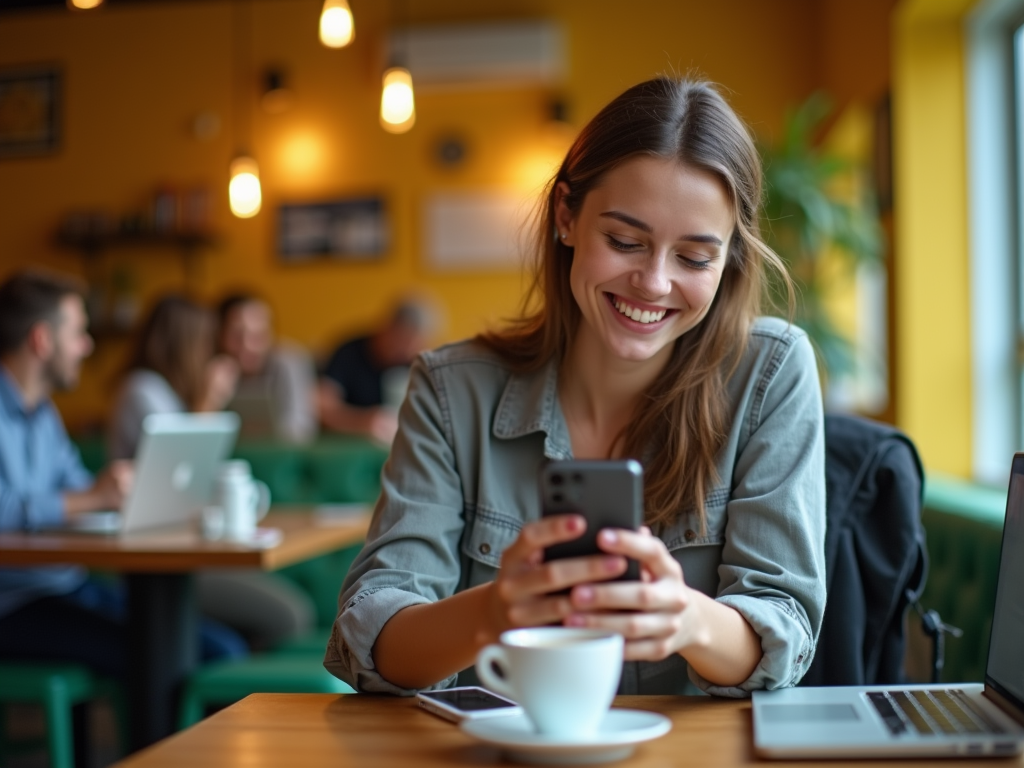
(625, 218)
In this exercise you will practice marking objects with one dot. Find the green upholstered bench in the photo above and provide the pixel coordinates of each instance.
(963, 522)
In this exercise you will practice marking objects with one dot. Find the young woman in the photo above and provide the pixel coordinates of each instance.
(641, 339)
(173, 369)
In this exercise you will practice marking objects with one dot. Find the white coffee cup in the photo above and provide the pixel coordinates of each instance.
(211, 522)
(563, 678)
(243, 499)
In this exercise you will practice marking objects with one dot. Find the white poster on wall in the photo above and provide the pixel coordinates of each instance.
(476, 231)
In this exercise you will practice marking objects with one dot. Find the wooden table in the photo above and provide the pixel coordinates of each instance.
(360, 731)
(162, 615)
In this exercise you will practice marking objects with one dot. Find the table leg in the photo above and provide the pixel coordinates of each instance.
(163, 639)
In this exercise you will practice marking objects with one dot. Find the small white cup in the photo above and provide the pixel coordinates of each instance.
(243, 499)
(564, 679)
(212, 522)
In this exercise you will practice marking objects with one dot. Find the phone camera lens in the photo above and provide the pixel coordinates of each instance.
(557, 479)
(557, 498)
(577, 478)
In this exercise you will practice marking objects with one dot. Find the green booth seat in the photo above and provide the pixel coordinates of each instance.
(281, 466)
(58, 688)
(226, 682)
(92, 447)
(344, 469)
(963, 522)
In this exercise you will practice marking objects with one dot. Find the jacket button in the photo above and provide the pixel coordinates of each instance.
(485, 548)
(690, 534)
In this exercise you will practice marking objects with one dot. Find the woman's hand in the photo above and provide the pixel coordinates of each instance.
(525, 592)
(656, 615)
(219, 382)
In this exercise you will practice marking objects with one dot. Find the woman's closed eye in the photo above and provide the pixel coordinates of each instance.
(620, 245)
(694, 263)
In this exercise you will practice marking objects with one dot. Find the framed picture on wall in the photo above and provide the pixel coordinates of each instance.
(30, 111)
(349, 229)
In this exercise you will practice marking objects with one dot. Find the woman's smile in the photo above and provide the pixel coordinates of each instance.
(638, 315)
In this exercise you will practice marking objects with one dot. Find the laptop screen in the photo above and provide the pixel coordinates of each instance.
(1005, 661)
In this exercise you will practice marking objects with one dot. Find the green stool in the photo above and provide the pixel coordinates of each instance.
(58, 687)
(225, 682)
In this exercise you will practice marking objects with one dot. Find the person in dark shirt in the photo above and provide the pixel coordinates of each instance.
(364, 381)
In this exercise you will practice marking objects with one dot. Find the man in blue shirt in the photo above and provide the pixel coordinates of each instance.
(54, 612)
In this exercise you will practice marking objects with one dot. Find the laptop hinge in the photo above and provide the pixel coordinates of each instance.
(1004, 703)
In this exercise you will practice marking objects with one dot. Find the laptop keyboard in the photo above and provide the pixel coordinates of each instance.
(931, 713)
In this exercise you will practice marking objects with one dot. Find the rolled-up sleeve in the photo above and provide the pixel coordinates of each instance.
(411, 553)
(773, 560)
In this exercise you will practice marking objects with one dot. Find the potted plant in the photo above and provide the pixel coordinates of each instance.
(813, 214)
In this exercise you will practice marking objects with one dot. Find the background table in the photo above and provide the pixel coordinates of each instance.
(162, 615)
(362, 731)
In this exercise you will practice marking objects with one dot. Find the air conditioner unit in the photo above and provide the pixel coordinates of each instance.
(509, 53)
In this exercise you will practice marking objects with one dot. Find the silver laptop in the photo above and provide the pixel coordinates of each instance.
(918, 720)
(175, 468)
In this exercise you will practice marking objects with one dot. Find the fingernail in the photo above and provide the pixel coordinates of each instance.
(609, 537)
(575, 621)
(613, 563)
(583, 594)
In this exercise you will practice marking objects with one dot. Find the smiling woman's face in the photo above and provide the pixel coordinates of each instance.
(650, 244)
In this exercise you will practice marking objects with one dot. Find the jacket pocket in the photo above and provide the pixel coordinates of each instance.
(686, 531)
(488, 534)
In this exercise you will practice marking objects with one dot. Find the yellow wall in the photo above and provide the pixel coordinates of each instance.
(137, 74)
(932, 288)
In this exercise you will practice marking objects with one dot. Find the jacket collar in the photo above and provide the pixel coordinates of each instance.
(530, 404)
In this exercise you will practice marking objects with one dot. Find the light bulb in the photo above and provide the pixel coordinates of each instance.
(337, 28)
(84, 5)
(397, 106)
(244, 193)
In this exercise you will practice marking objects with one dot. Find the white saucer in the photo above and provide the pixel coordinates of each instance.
(620, 732)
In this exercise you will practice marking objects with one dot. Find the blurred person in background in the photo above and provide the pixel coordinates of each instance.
(276, 390)
(57, 613)
(174, 369)
(365, 378)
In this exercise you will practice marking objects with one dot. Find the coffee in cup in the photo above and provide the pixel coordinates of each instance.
(563, 678)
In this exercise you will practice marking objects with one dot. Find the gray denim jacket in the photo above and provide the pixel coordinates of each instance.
(462, 480)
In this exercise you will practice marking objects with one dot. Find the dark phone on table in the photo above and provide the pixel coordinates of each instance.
(609, 494)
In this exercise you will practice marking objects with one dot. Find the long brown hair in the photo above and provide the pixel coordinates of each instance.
(177, 341)
(683, 421)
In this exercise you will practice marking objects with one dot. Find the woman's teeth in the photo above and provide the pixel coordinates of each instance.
(639, 315)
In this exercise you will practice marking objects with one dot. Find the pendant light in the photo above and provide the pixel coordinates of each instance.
(84, 5)
(245, 195)
(397, 101)
(337, 27)
(244, 192)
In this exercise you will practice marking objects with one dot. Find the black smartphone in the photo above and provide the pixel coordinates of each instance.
(609, 494)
